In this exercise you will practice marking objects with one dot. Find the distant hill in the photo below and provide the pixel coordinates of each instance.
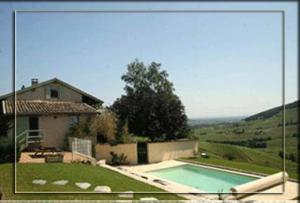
(271, 112)
(212, 121)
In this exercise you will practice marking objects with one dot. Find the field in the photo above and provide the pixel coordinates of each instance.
(254, 143)
(74, 173)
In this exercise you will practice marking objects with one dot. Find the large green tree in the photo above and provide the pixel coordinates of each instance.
(150, 106)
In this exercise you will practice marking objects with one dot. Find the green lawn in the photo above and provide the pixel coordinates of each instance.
(264, 160)
(74, 173)
(246, 159)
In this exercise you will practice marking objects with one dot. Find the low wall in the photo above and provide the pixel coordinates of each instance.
(157, 151)
(129, 150)
(162, 151)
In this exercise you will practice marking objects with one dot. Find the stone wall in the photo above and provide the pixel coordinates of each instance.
(130, 150)
(157, 151)
(162, 151)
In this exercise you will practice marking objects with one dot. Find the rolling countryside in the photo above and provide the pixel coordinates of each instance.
(254, 143)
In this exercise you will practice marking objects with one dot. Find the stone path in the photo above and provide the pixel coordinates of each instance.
(39, 182)
(60, 182)
(102, 189)
(83, 185)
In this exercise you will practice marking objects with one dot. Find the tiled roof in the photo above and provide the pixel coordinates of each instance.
(40, 107)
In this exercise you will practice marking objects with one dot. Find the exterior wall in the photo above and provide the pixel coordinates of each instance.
(42, 93)
(130, 150)
(55, 129)
(162, 151)
(157, 151)
(34, 94)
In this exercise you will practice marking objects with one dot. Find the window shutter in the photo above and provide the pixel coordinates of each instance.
(48, 92)
(60, 92)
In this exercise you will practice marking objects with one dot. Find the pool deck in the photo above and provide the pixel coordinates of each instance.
(139, 172)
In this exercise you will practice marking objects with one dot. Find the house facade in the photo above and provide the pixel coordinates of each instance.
(46, 110)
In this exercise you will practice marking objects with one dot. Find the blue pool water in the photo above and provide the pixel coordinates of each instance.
(204, 179)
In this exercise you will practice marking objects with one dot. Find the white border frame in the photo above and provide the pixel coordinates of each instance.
(282, 12)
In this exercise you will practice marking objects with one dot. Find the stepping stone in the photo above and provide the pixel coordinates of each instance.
(60, 182)
(126, 194)
(149, 199)
(39, 182)
(83, 186)
(102, 189)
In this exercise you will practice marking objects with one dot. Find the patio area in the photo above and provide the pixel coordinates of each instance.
(68, 157)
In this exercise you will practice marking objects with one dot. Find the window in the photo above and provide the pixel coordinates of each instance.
(75, 119)
(54, 93)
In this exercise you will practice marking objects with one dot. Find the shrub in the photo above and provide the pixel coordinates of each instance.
(280, 153)
(253, 143)
(229, 156)
(7, 151)
(292, 157)
(105, 126)
(88, 162)
(118, 159)
(123, 135)
(239, 131)
(142, 139)
(5, 125)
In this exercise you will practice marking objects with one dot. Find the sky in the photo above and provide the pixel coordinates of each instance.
(221, 64)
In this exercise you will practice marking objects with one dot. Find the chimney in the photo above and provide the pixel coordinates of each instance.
(34, 81)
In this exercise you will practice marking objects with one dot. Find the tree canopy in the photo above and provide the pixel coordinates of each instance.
(150, 107)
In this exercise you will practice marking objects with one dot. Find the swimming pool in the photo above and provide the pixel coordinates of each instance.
(204, 179)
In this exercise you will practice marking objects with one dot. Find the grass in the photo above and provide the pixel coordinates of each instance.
(244, 158)
(264, 160)
(74, 173)
(235, 165)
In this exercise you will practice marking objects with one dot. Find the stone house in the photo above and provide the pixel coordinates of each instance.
(45, 111)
